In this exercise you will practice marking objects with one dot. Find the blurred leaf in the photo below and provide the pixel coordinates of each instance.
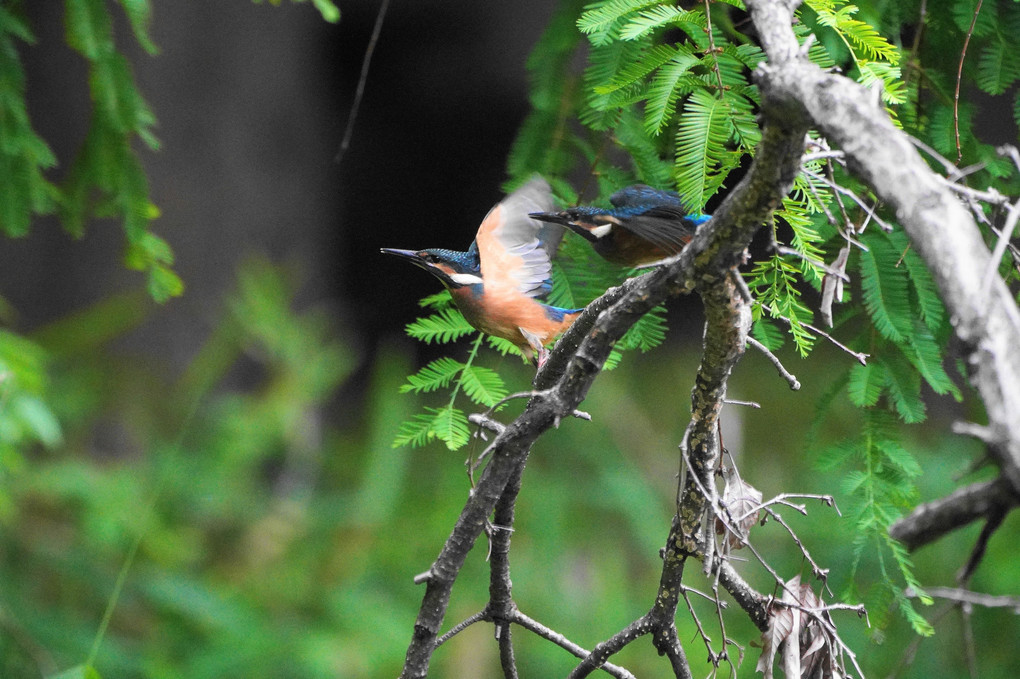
(78, 672)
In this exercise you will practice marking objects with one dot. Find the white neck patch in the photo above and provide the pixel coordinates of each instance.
(601, 231)
(465, 279)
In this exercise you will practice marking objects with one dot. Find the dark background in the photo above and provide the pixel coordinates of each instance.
(251, 102)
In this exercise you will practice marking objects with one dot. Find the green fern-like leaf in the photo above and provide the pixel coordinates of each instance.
(855, 33)
(483, 385)
(667, 86)
(904, 388)
(702, 157)
(543, 143)
(884, 285)
(602, 20)
(24, 156)
(926, 357)
(768, 334)
(635, 71)
(866, 384)
(896, 455)
(773, 284)
(446, 424)
(806, 239)
(451, 426)
(648, 333)
(601, 111)
(439, 300)
(447, 325)
(643, 149)
(504, 346)
(744, 121)
(894, 90)
(925, 293)
(417, 431)
(998, 66)
(963, 13)
(647, 20)
(436, 375)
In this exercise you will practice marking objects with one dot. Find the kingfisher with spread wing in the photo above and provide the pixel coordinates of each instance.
(499, 281)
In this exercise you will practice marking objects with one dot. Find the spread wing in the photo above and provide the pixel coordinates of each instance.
(516, 250)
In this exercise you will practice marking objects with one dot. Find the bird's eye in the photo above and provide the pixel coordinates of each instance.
(429, 257)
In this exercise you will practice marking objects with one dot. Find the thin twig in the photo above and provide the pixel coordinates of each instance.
(711, 45)
(360, 90)
(823, 155)
(976, 598)
(749, 404)
(784, 250)
(948, 166)
(861, 357)
(816, 570)
(784, 499)
(969, 647)
(995, 517)
(1000, 248)
(853, 196)
(786, 374)
(566, 644)
(713, 657)
(959, 79)
(461, 626)
(990, 196)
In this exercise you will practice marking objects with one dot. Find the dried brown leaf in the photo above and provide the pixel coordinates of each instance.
(832, 285)
(796, 632)
(744, 504)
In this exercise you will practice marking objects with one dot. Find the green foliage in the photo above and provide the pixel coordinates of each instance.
(882, 484)
(105, 179)
(773, 282)
(24, 156)
(259, 502)
(685, 75)
(78, 672)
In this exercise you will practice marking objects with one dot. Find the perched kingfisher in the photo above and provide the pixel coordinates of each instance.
(643, 226)
(498, 281)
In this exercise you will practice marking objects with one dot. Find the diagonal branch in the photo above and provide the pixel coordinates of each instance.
(940, 228)
(572, 367)
(932, 520)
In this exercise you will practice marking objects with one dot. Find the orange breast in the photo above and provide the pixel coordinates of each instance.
(503, 313)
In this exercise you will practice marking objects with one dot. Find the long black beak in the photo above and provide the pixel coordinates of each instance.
(552, 217)
(406, 254)
(563, 219)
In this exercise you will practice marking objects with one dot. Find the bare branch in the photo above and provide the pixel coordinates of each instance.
(861, 357)
(786, 374)
(932, 520)
(566, 644)
(940, 228)
(461, 626)
(976, 598)
(842, 190)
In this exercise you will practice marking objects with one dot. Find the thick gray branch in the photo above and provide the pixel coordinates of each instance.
(931, 521)
(941, 230)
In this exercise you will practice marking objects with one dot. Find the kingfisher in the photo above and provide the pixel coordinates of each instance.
(498, 282)
(644, 225)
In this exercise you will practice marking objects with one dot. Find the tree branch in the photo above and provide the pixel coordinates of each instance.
(940, 228)
(928, 522)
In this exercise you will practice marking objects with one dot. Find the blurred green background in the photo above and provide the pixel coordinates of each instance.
(239, 437)
(280, 531)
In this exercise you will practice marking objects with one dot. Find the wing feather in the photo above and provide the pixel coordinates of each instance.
(516, 250)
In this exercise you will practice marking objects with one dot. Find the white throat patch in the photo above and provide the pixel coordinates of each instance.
(465, 279)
